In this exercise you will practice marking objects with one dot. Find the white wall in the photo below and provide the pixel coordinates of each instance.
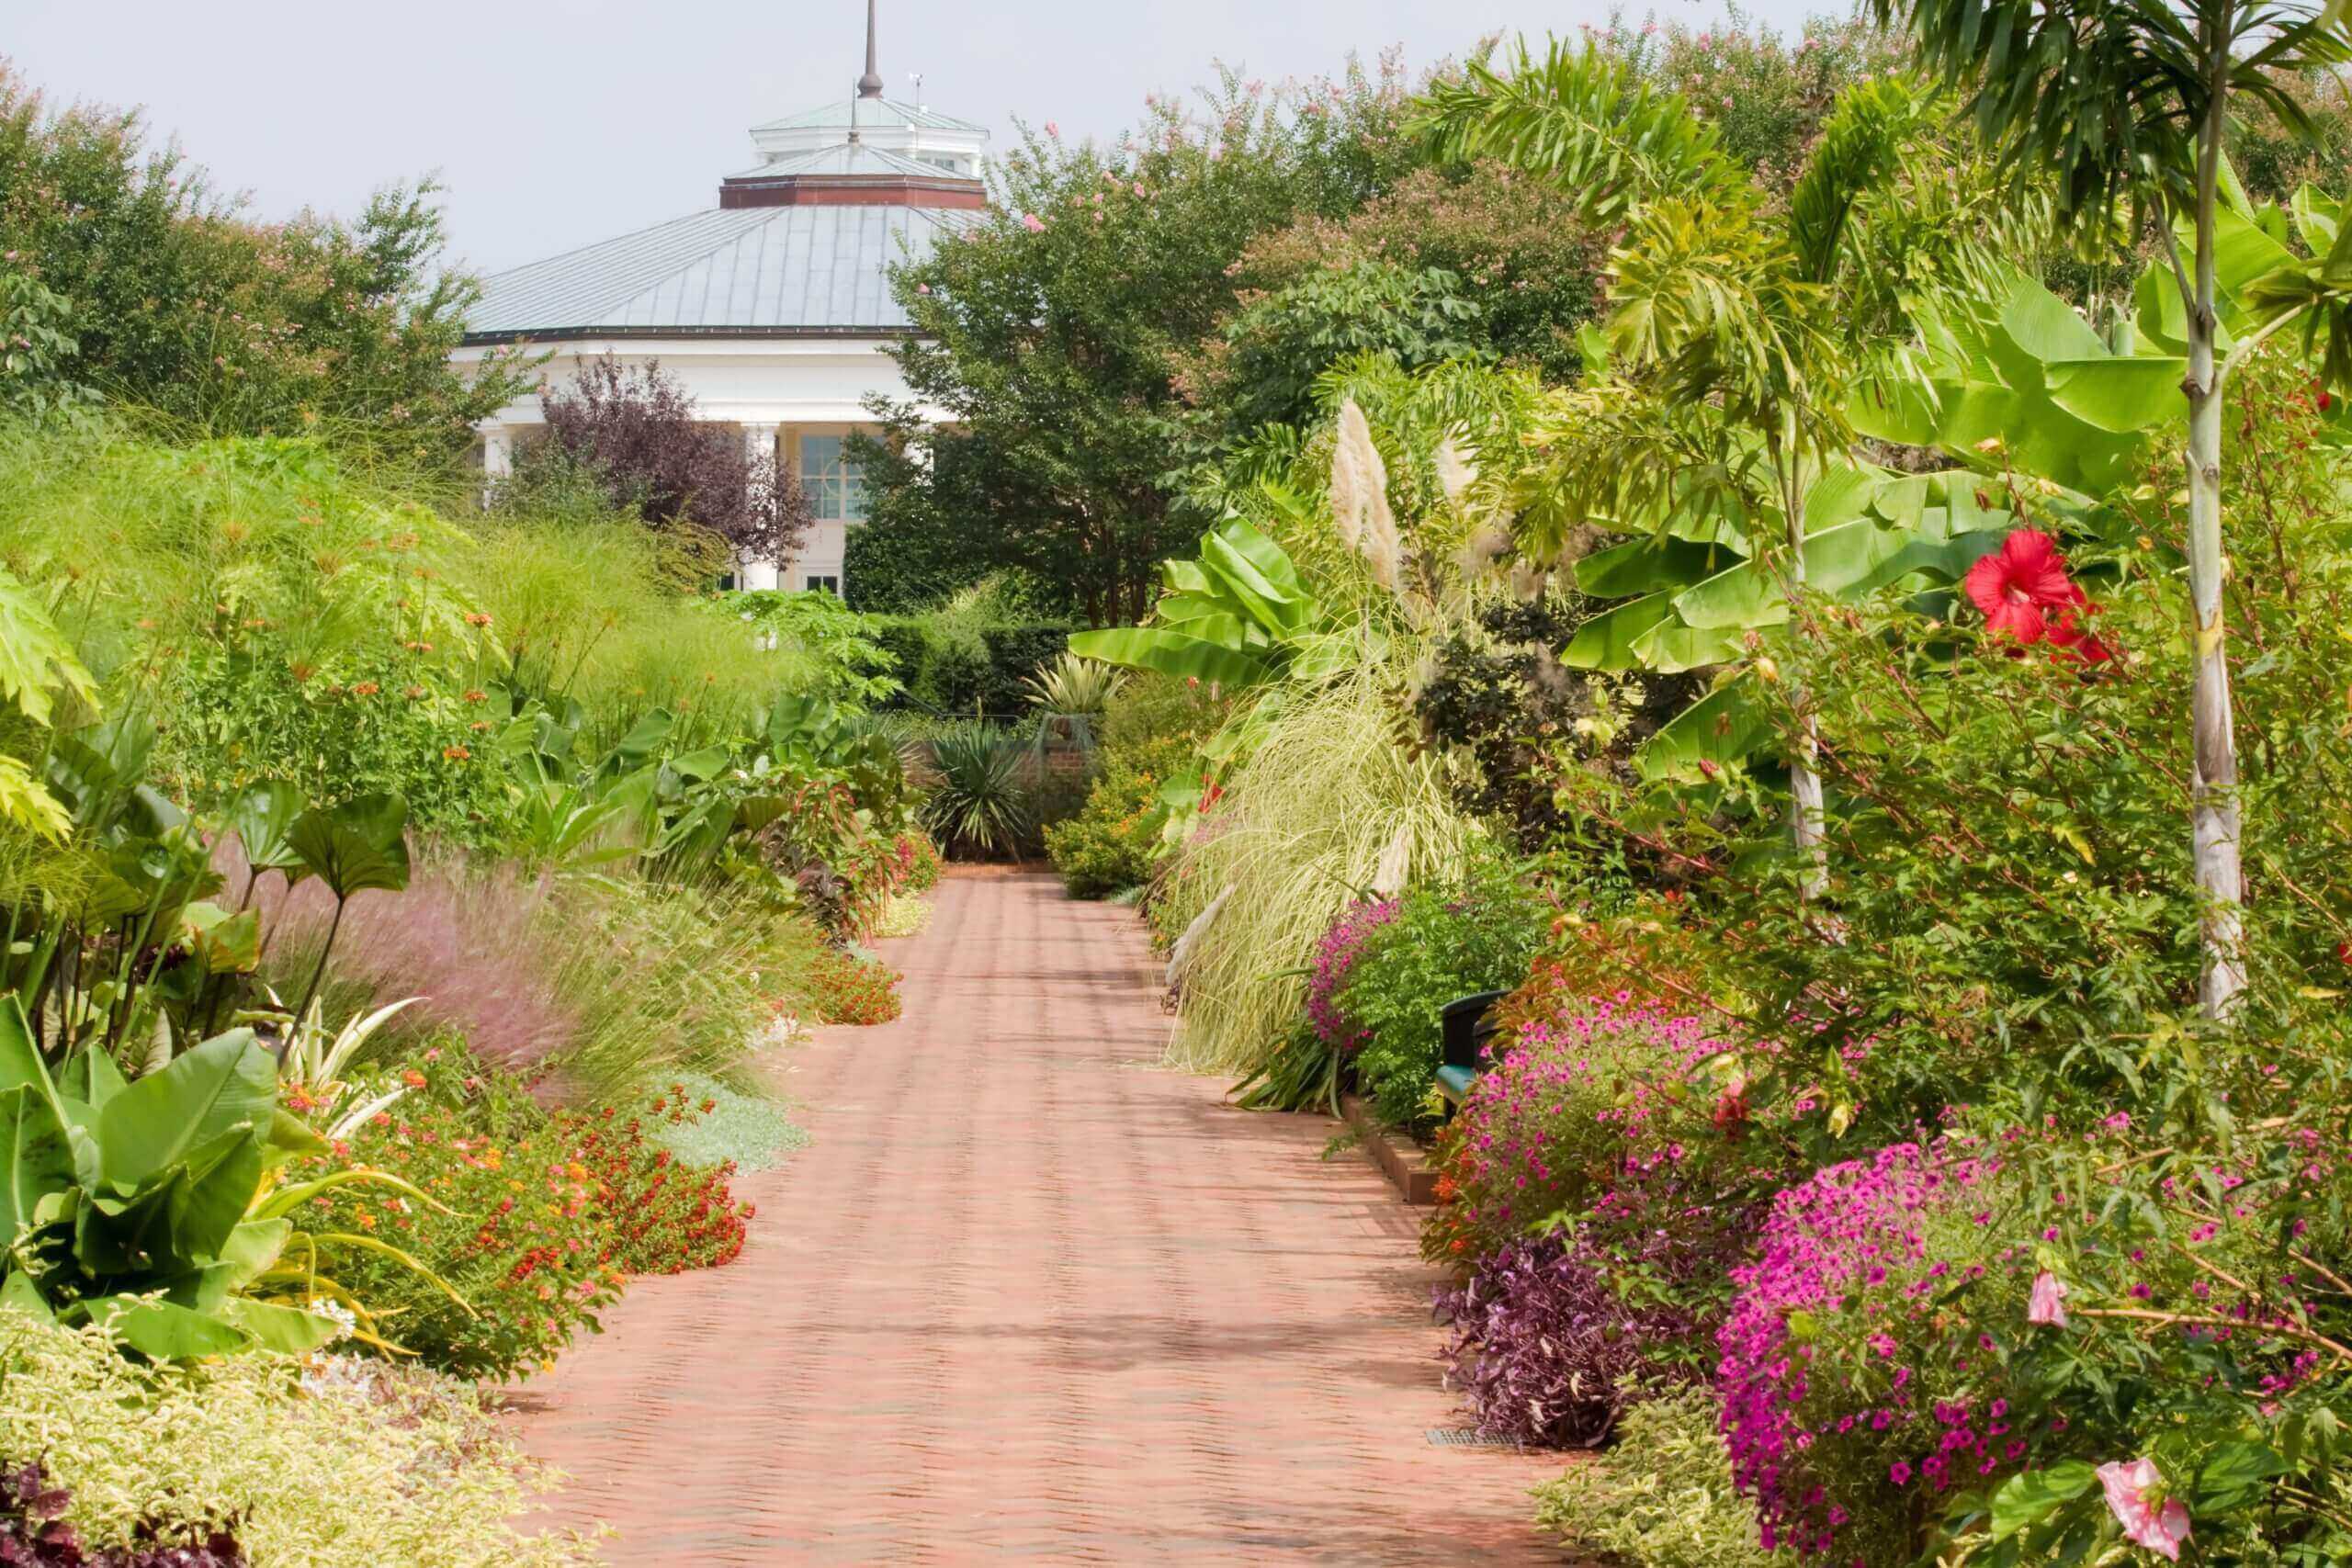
(818, 384)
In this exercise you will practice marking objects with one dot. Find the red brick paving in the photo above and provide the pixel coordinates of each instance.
(1031, 1298)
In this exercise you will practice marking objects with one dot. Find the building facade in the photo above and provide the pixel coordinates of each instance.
(771, 308)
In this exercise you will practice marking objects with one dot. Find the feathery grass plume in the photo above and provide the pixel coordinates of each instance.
(1359, 478)
(1396, 865)
(1360, 496)
(1180, 955)
(1304, 823)
(1454, 474)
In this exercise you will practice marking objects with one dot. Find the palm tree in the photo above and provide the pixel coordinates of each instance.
(1732, 347)
(2124, 108)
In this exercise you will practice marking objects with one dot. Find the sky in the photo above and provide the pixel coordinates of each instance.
(566, 122)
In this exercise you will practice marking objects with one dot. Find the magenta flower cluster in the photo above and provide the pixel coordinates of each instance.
(1816, 1422)
(1335, 955)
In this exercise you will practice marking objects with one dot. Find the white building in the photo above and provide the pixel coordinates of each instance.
(773, 308)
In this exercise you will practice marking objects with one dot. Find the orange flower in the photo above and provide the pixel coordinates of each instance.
(365, 688)
(476, 695)
(456, 754)
(414, 1078)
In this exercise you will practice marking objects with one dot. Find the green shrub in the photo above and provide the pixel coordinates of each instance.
(1111, 844)
(346, 1461)
(958, 664)
(1661, 1497)
(1478, 934)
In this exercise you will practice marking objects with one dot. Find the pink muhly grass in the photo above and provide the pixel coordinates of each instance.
(472, 942)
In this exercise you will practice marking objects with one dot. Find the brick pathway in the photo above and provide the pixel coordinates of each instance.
(1031, 1298)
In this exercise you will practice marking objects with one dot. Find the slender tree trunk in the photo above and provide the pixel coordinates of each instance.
(2213, 803)
(1807, 817)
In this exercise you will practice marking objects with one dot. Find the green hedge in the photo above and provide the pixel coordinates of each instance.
(960, 669)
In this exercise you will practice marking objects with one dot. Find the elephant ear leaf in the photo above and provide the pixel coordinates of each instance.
(356, 846)
(36, 1161)
(221, 943)
(262, 817)
(163, 1118)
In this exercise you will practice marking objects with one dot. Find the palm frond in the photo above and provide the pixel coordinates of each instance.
(1858, 151)
(1582, 120)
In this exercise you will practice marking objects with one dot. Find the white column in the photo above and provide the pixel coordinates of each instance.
(759, 446)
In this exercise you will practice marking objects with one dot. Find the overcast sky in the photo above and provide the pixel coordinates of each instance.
(564, 122)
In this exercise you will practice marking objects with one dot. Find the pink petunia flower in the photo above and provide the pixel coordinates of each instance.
(2159, 1528)
(2047, 1303)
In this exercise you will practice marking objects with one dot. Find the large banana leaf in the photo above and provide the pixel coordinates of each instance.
(36, 1162)
(1171, 653)
(1721, 726)
(228, 1083)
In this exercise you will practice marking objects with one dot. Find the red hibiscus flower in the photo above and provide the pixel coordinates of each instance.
(2074, 640)
(2020, 584)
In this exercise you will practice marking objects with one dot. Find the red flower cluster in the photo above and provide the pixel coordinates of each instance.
(2026, 594)
(659, 1215)
(845, 988)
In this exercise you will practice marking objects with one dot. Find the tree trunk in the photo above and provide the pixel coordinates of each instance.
(2213, 805)
(1806, 816)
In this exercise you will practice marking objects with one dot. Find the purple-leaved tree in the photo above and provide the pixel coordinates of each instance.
(634, 429)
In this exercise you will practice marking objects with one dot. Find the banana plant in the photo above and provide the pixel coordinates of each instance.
(1236, 617)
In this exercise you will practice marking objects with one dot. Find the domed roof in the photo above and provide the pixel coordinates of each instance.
(800, 245)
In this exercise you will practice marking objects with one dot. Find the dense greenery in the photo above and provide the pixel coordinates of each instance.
(176, 301)
(1046, 329)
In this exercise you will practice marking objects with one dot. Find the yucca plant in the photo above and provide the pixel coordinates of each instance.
(980, 802)
(1071, 694)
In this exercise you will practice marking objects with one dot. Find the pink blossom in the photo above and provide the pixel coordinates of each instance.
(1032, 222)
(1053, 131)
(2047, 1304)
(2159, 1528)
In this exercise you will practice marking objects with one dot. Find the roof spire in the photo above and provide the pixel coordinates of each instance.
(870, 85)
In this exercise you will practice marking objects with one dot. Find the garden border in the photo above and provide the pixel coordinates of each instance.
(1403, 1162)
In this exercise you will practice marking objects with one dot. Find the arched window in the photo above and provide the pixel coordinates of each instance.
(836, 490)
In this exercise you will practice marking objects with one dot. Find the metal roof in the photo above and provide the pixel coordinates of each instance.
(760, 270)
(843, 113)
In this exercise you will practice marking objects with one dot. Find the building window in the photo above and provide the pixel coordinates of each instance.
(836, 490)
(831, 585)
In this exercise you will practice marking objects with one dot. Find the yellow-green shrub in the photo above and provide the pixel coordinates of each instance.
(351, 1464)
